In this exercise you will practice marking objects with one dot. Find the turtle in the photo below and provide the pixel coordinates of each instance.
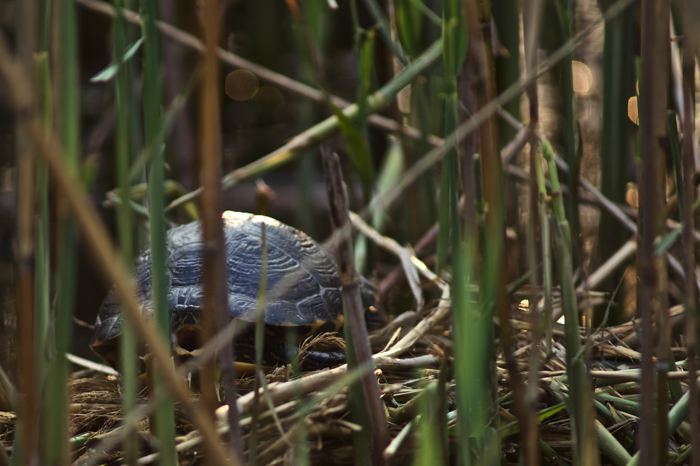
(303, 295)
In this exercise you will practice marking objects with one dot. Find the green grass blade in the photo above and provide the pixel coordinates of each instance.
(618, 86)
(55, 444)
(507, 20)
(42, 296)
(42, 268)
(120, 59)
(560, 15)
(389, 175)
(381, 21)
(319, 20)
(431, 427)
(448, 214)
(165, 416)
(454, 50)
(409, 22)
(124, 111)
(454, 37)
(580, 399)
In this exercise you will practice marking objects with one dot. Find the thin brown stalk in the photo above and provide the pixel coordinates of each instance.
(530, 430)
(691, 305)
(212, 238)
(354, 311)
(17, 82)
(214, 282)
(654, 54)
(29, 442)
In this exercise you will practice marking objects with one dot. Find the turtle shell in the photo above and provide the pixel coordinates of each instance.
(303, 287)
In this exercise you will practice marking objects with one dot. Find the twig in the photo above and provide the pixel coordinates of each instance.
(354, 313)
(92, 365)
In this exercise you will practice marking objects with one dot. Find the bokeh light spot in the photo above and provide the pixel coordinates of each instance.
(241, 85)
(583, 78)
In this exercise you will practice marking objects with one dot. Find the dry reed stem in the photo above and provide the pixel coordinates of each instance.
(368, 390)
(214, 272)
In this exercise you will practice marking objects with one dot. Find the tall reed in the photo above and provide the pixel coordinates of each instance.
(214, 274)
(125, 108)
(165, 416)
(580, 403)
(42, 268)
(26, 441)
(55, 447)
(615, 150)
(537, 229)
(652, 113)
(454, 44)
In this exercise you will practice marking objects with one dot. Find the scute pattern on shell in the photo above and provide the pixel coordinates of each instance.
(303, 284)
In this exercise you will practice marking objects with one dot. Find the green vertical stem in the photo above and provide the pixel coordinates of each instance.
(454, 50)
(68, 97)
(432, 424)
(318, 19)
(417, 109)
(580, 399)
(665, 360)
(560, 15)
(449, 187)
(42, 298)
(41, 282)
(566, 14)
(164, 416)
(495, 299)
(124, 109)
(378, 16)
(506, 17)
(42, 267)
(546, 241)
(618, 86)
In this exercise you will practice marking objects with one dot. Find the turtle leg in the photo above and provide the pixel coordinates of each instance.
(314, 359)
(285, 352)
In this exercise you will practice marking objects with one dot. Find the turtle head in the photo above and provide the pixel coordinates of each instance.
(108, 327)
(374, 318)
